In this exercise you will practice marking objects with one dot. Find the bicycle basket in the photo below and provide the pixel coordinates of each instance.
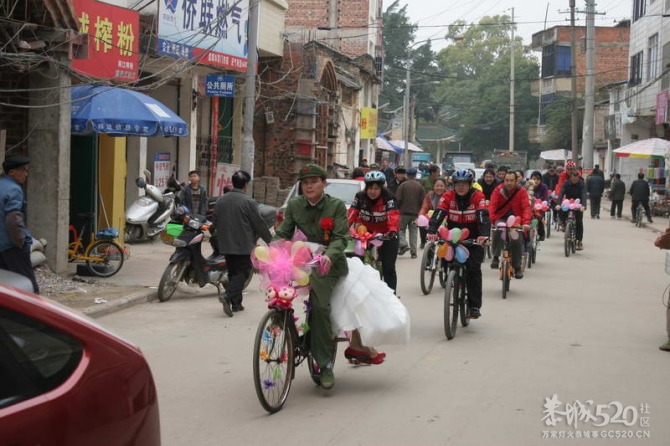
(107, 233)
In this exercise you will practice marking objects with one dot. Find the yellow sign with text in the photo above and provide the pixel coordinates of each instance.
(368, 123)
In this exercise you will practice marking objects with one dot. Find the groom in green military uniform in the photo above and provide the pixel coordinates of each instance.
(323, 219)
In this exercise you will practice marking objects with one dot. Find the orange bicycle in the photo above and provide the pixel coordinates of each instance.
(103, 255)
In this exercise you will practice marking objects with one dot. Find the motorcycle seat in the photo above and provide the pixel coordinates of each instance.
(219, 260)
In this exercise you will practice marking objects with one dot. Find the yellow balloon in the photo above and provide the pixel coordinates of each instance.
(430, 213)
(262, 253)
(301, 277)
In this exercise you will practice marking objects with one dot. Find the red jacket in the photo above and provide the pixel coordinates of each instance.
(380, 215)
(518, 206)
(462, 216)
(562, 178)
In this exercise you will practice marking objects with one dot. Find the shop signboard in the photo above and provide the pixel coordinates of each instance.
(162, 170)
(368, 123)
(223, 177)
(205, 31)
(112, 41)
(220, 85)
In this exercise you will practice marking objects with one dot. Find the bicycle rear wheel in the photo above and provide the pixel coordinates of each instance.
(451, 290)
(504, 271)
(547, 224)
(274, 360)
(428, 268)
(638, 217)
(573, 237)
(105, 258)
(442, 272)
(566, 239)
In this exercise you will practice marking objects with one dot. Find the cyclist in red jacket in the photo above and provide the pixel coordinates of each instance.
(510, 198)
(465, 207)
(375, 207)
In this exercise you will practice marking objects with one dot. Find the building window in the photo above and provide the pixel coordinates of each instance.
(652, 58)
(556, 61)
(636, 69)
(639, 9)
(665, 81)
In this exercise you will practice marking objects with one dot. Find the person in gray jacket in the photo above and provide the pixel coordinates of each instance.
(239, 224)
(595, 186)
(617, 195)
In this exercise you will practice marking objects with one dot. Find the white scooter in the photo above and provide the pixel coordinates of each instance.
(149, 214)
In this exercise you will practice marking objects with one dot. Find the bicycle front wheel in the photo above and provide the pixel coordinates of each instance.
(504, 271)
(451, 290)
(274, 360)
(105, 258)
(566, 239)
(428, 268)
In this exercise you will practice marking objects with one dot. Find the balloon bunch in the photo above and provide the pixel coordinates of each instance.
(511, 222)
(453, 249)
(284, 267)
(540, 206)
(572, 204)
(363, 237)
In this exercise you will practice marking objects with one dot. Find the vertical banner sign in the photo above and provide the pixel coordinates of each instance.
(210, 32)
(662, 107)
(161, 169)
(113, 41)
(368, 123)
(223, 177)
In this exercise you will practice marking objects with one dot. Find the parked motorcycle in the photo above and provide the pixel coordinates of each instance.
(149, 214)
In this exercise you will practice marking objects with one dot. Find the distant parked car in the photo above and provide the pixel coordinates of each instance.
(345, 190)
(64, 380)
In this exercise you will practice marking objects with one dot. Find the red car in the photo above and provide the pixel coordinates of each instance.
(64, 380)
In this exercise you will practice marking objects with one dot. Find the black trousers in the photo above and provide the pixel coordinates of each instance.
(18, 260)
(595, 204)
(579, 223)
(474, 275)
(239, 268)
(617, 207)
(388, 254)
(645, 205)
(516, 248)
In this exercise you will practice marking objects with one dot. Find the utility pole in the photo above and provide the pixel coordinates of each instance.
(406, 117)
(573, 81)
(511, 90)
(589, 99)
(248, 148)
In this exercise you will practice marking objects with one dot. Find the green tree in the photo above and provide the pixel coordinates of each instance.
(476, 68)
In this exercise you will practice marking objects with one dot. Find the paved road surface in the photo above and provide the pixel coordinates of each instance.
(584, 328)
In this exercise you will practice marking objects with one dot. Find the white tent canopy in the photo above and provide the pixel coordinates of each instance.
(556, 155)
(401, 144)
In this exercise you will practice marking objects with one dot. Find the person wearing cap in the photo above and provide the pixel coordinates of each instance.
(239, 224)
(400, 177)
(410, 197)
(550, 177)
(15, 239)
(323, 220)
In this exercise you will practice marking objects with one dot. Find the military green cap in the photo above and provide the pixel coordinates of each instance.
(312, 170)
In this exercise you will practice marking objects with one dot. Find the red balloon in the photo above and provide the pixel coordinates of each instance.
(465, 232)
(443, 232)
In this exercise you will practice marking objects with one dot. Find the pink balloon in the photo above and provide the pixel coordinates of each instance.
(517, 221)
(538, 206)
(465, 232)
(422, 221)
(510, 221)
(514, 235)
(450, 253)
(544, 207)
(443, 232)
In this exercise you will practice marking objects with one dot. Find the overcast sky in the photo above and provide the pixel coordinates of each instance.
(432, 16)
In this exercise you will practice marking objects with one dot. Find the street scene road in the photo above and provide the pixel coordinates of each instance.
(584, 329)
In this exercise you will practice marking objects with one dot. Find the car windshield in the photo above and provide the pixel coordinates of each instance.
(343, 191)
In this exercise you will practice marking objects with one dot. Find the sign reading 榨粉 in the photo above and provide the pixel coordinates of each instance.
(210, 32)
(220, 85)
(112, 41)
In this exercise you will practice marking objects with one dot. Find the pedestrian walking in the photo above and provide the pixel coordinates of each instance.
(640, 193)
(239, 224)
(15, 239)
(595, 186)
(409, 196)
(194, 196)
(433, 174)
(617, 195)
(323, 220)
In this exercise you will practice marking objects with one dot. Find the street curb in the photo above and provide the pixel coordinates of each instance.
(120, 304)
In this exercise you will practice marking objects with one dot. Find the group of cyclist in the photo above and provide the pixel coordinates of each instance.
(501, 193)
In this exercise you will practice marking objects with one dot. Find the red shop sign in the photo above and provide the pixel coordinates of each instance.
(113, 41)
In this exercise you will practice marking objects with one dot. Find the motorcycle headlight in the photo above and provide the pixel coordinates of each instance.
(194, 224)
